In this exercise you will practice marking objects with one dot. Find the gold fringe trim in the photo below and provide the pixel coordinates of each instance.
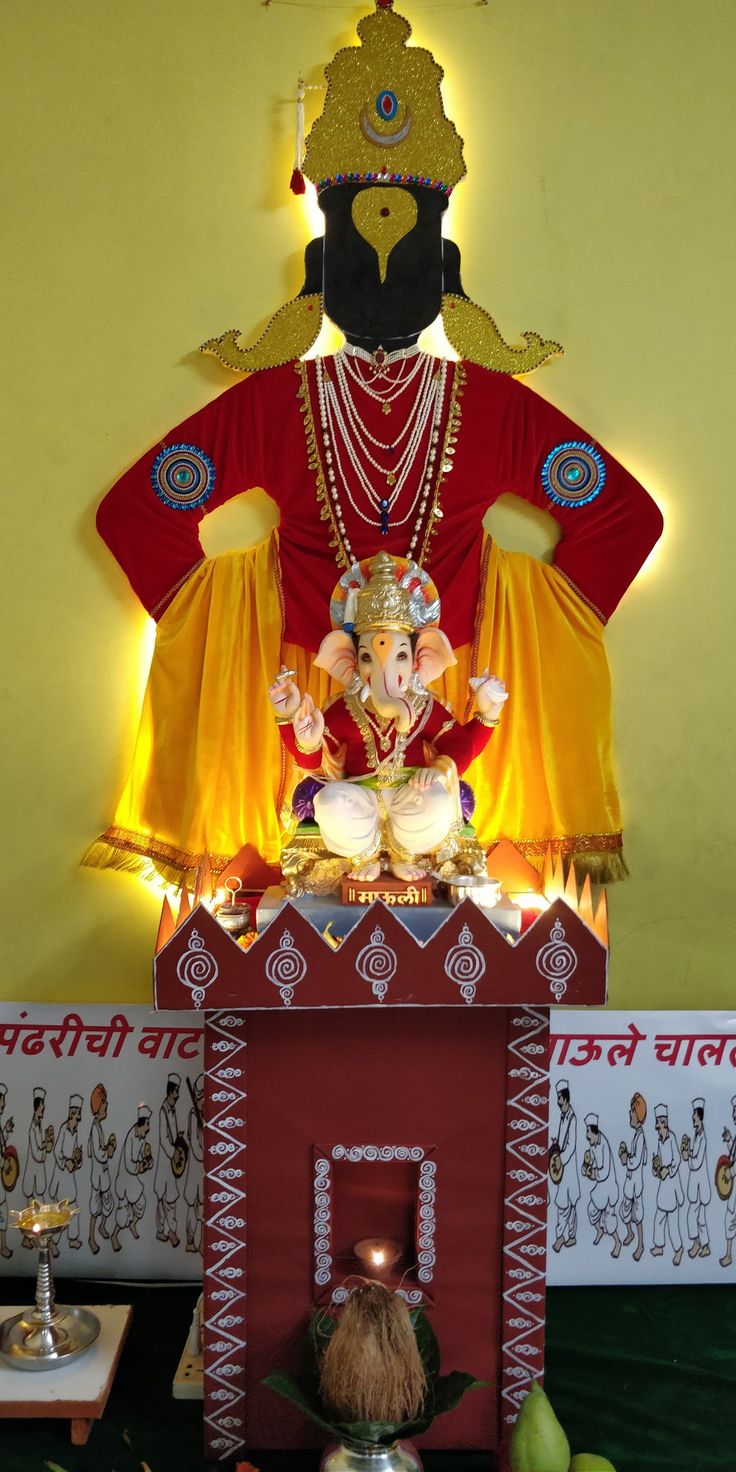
(599, 855)
(138, 853)
(454, 416)
(326, 512)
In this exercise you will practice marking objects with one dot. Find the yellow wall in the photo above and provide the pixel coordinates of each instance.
(147, 207)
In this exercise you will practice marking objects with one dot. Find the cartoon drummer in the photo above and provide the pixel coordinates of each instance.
(599, 1168)
(724, 1179)
(6, 1130)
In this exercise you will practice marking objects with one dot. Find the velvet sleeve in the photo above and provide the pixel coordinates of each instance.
(463, 743)
(148, 523)
(603, 541)
(311, 761)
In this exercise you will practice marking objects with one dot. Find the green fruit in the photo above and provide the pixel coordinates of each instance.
(538, 1442)
(589, 1462)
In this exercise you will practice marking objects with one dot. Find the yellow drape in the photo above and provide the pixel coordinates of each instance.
(208, 771)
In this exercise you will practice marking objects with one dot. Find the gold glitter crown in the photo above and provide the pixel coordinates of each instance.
(382, 603)
(383, 120)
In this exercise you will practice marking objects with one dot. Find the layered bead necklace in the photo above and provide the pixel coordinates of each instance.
(346, 438)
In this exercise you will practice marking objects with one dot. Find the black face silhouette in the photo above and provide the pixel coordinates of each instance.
(371, 312)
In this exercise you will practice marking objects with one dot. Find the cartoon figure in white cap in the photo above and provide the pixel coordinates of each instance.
(67, 1160)
(193, 1177)
(170, 1164)
(100, 1152)
(598, 1167)
(670, 1195)
(729, 1192)
(634, 1158)
(695, 1154)
(6, 1131)
(40, 1144)
(563, 1169)
(135, 1160)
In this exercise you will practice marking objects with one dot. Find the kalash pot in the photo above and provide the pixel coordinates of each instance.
(401, 1457)
(234, 915)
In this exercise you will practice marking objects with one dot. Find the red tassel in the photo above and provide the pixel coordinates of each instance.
(297, 185)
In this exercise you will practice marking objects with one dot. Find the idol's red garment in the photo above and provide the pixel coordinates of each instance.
(440, 730)
(254, 435)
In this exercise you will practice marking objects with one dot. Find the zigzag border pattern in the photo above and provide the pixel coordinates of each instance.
(224, 1234)
(525, 1208)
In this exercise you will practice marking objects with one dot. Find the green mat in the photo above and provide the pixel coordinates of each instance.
(645, 1376)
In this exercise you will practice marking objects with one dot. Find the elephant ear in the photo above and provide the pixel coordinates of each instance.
(337, 655)
(432, 655)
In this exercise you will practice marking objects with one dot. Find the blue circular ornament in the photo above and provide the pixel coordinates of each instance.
(183, 477)
(387, 105)
(573, 474)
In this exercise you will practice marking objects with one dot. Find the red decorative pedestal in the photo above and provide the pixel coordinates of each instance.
(387, 1089)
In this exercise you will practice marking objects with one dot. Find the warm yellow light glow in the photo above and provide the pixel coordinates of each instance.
(379, 1258)
(531, 901)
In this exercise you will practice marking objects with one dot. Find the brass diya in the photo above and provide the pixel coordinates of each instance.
(49, 1334)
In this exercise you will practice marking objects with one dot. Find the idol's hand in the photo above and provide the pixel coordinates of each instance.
(309, 725)
(490, 694)
(424, 777)
(284, 694)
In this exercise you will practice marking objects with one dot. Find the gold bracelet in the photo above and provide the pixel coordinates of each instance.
(307, 750)
(283, 720)
(487, 720)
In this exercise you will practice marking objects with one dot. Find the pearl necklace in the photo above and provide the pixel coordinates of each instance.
(395, 386)
(353, 432)
(327, 498)
(382, 504)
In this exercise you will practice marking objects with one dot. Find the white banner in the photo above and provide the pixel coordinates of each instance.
(640, 1188)
(102, 1106)
(643, 1115)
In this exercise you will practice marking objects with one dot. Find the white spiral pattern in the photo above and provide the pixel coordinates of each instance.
(377, 963)
(557, 961)
(465, 965)
(425, 1215)
(197, 968)
(525, 1203)
(286, 967)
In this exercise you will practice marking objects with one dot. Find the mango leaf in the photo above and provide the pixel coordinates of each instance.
(429, 1350)
(448, 1390)
(367, 1433)
(304, 1394)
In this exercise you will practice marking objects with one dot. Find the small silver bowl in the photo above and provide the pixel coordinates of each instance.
(479, 888)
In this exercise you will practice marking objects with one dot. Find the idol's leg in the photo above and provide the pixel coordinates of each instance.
(350, 824)
(419, 820)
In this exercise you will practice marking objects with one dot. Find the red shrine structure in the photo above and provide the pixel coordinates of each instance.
(389, 1088)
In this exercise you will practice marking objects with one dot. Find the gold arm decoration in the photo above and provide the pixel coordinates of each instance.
(454, 417)
(314, 461)
(291, 332)
(474, 335)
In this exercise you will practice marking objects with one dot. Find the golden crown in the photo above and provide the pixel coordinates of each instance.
(383, 121)
(384, 592)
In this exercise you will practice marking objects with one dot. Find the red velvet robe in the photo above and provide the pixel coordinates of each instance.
(254, 435)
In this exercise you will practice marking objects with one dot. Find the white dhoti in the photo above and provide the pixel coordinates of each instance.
(350, 816)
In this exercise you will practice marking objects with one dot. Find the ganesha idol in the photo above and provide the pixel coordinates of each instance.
(388, 753)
